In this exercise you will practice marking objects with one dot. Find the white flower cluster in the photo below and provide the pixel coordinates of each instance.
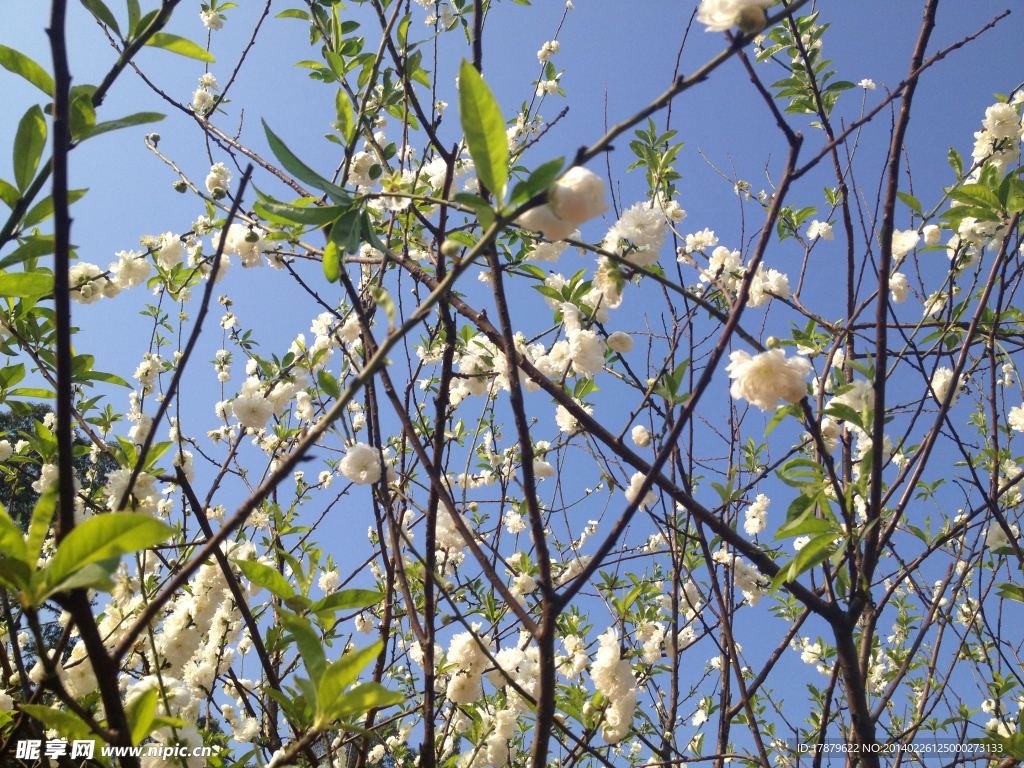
(764, 379)
(746, 577)
(614, 678)
(757, 515)
(202, 97)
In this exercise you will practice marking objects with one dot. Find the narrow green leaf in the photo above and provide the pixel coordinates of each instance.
(342, 673)
(12, 540)
(1011, 592)
(140, 715)
(293, 13)
(134, 14)
(956, 162)
(93, 576)
(363, 698)
(846, 413)
(300, 170)
(68, 724)
(346, 117)
(9, 193)
(328, 384)
(43, 210)
(312, 215)
(484, 127)
(103, 537)
(20, 64)
(384, 301)
(32, 248)
(98, 9)
(180, 45)
(308, 642)
(345, 232)
(25, 284)
(41, 517)
(139, 118)
(31, 392)
(539, 180)
(346, 599)
(976, 195)
(108, 378)
(266, 577)
(29, 143)
(332, 262)
(483, 209)
(910, 200)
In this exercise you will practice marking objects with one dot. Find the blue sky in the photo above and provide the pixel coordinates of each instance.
(629, 49)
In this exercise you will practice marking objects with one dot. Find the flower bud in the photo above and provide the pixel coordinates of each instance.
(180, 186)
(445, 619)
(154, 137)
(450, 248)
(751, 20)
(219, 193)
(772, 342)
(252, 237)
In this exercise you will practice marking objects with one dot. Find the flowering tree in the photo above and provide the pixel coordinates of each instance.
(586, 546)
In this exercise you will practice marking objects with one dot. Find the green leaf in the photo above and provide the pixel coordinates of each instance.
(42, 515)
(101, 12)
(32, 392)
(180, 45)
(308, 642)
(108, 378)
(539, 180)
(26, 284)
(32, 248)
(814, 552)
(346, 599)
(140, 715)
(43, 210)
(976, 195)
(293, 13)
(12, 540)
(345, 232)
(483, 209)
(301, 171)
(93, 576)
(484, 127)
(363, 698)
(328, 384)
(313, 215)
(29, 143)
(346, 117)
(139, 118)
(341, 674)
(68, 724)
(103, 537)
(956, 162)
(846, 413)
(1011, 592)
(331, 262)
(266, 577)
(134, 13)
(384, 301)
(911, 201)
(800, 509)
(20, 64)
(9, 193)
(793, 409)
